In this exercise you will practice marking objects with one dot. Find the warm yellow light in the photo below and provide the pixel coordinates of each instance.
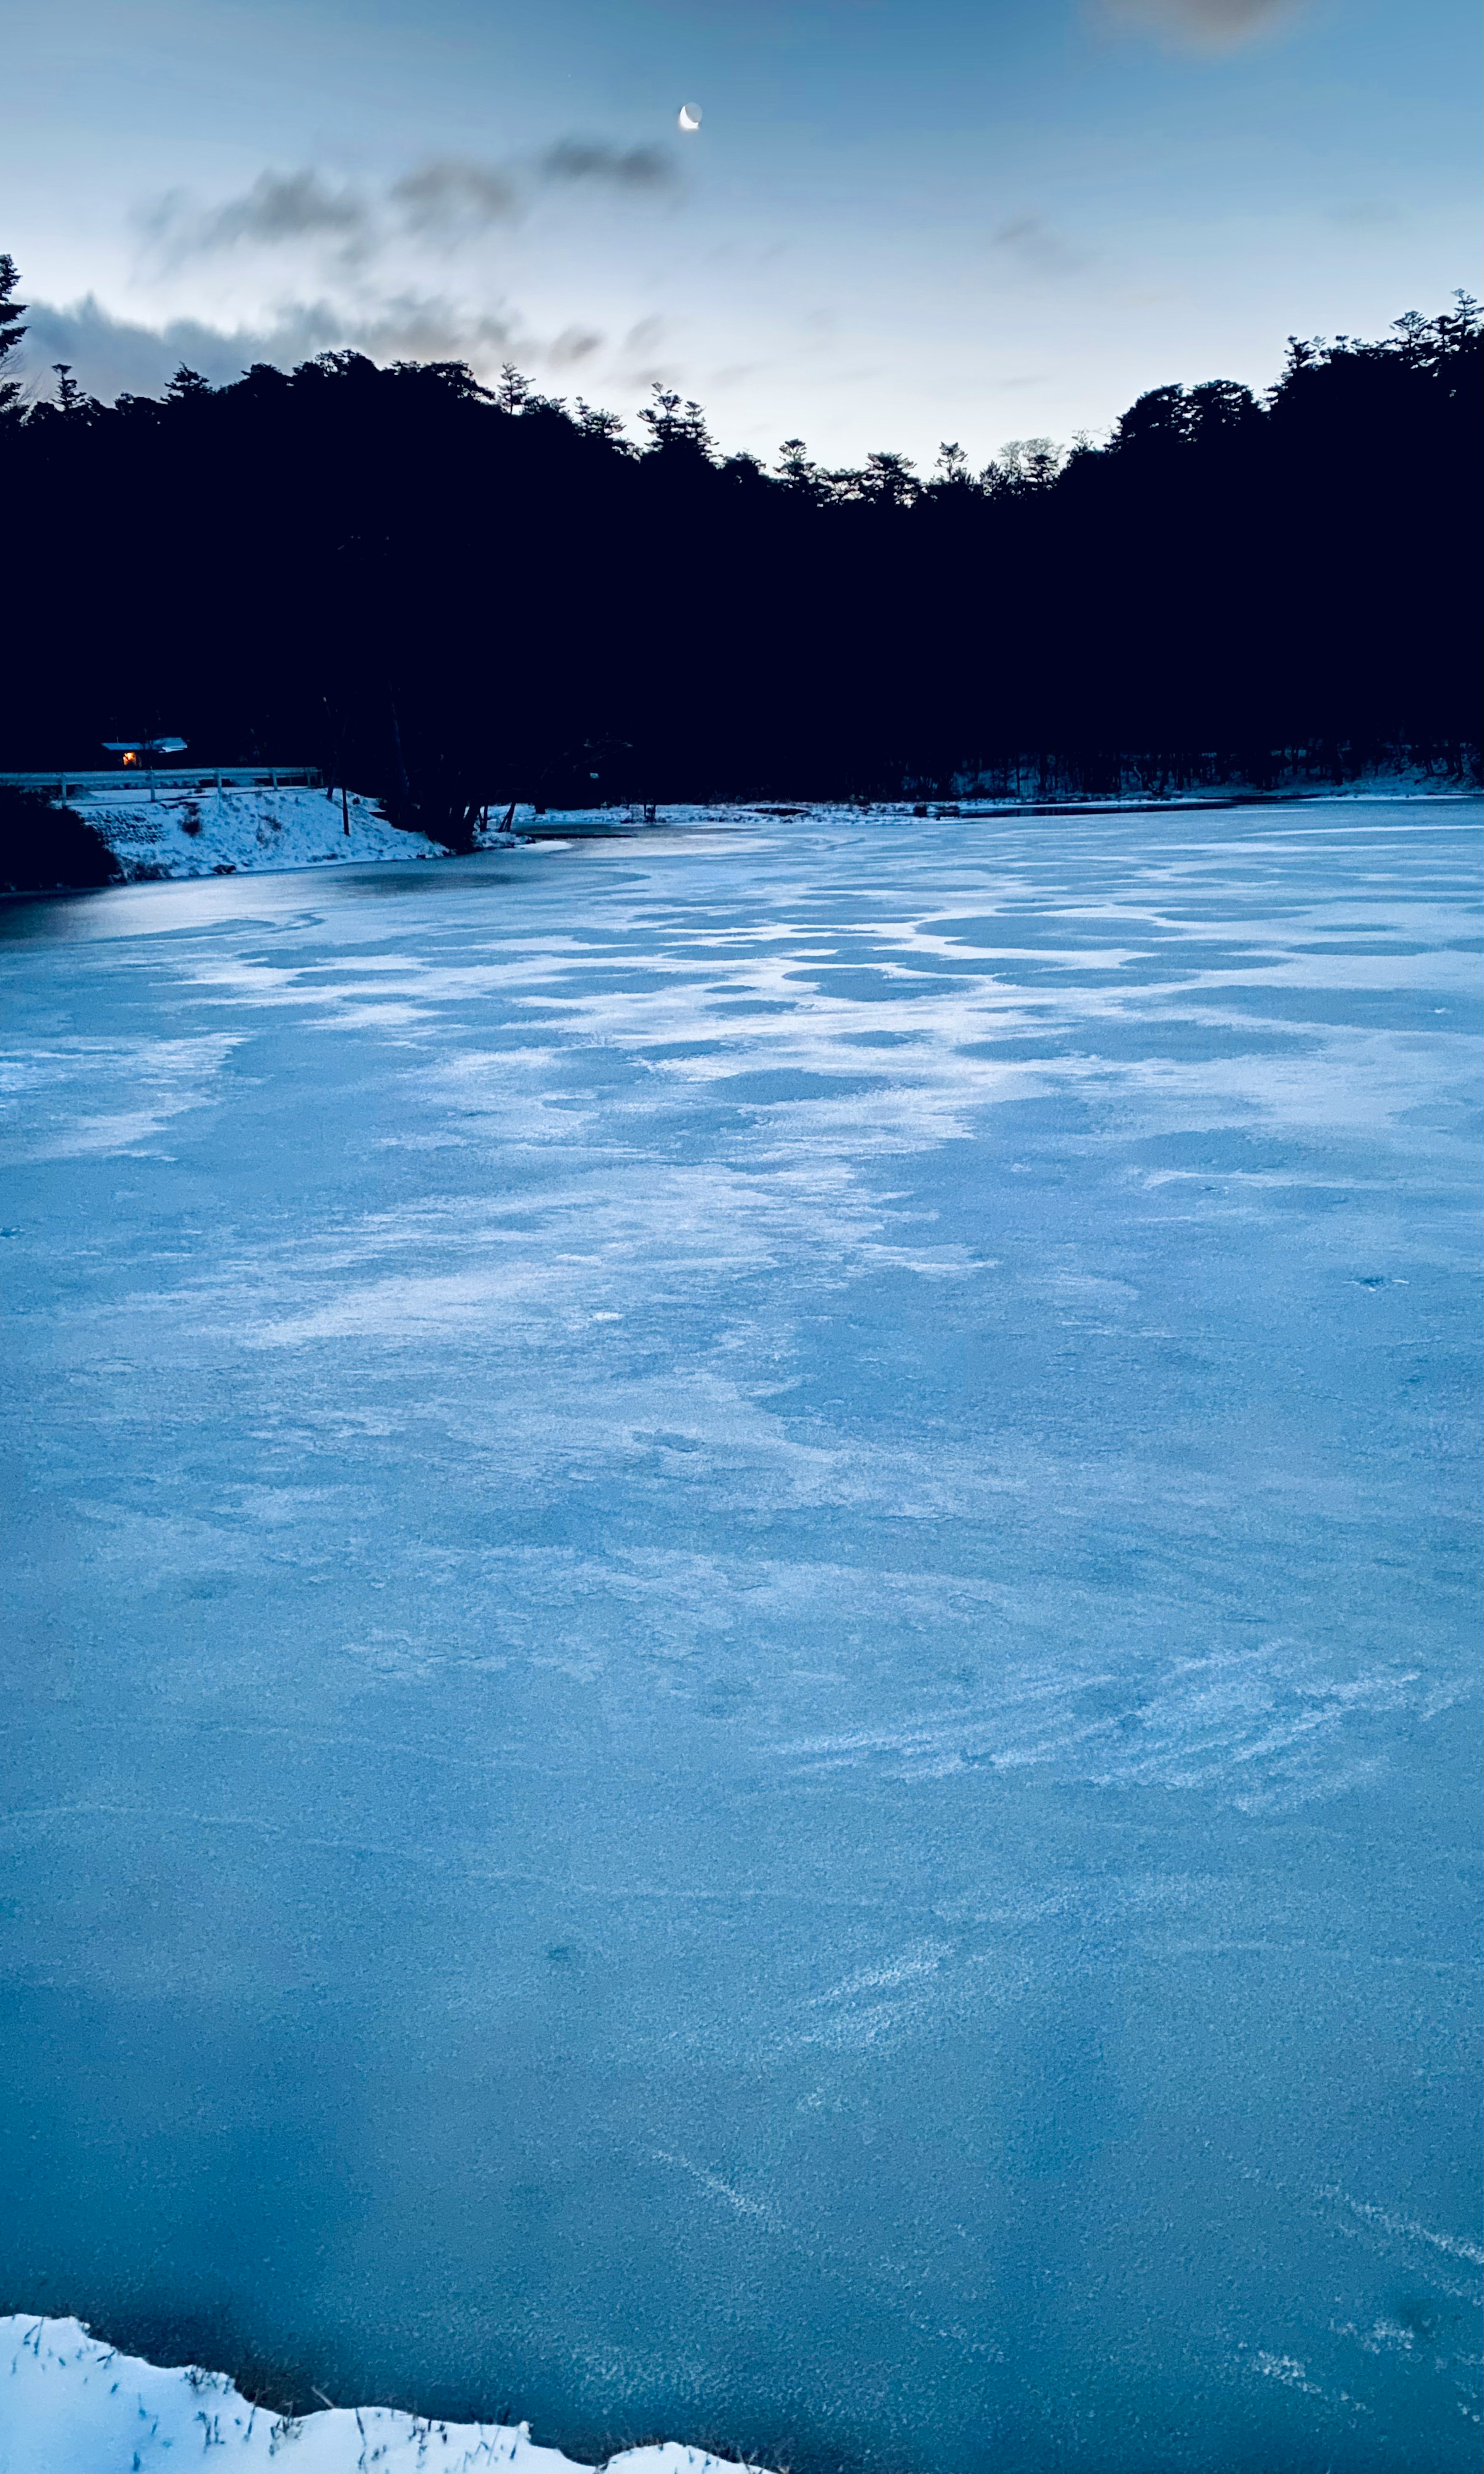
(131, 759)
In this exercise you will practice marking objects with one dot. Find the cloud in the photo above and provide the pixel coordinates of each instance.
(280, 207)
(111, 355)
(355, 247)
(1036, 247)
(1202, 25)
(573, 159)
(640, 360)
(412, 327)
(572, 345)
(453, 195)
(448, 198)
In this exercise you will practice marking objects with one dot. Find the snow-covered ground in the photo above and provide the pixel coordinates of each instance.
(71, 2406)
(1298, 779)
(742, 1578)
(212, 833)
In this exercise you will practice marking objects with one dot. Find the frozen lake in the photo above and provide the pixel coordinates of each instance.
(746, 1691)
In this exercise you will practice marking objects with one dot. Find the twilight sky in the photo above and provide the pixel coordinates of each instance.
(901, 221)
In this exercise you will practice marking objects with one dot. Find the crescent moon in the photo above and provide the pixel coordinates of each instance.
(690, 115)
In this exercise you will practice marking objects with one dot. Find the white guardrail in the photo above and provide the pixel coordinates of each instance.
(136, 778)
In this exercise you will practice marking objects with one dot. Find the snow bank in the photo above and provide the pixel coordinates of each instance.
(247, 832)
(71, 2406)
(217, 833)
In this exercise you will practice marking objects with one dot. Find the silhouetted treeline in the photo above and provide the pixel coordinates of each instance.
(453, 596)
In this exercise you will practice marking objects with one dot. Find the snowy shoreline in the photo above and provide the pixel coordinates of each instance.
(185, 835)
(243, 833)
(71, 2405)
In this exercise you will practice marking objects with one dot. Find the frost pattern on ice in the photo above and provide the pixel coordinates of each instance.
(746, 1579)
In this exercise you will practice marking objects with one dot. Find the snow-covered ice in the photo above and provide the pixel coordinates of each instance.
(746, 1685)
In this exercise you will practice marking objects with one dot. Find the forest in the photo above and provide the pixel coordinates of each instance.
(454, 595)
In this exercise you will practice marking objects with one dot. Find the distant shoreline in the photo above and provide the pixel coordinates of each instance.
(180, 837)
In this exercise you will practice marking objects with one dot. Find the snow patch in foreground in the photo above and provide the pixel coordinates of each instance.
(71, 2406)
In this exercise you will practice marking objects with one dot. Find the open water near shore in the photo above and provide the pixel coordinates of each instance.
(741, 1696)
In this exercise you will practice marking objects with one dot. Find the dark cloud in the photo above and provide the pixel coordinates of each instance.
(574, 159)
(453, 195)
(574, 344)
(111, 356)
(1202, 25)
(450, 198)
(411, 327)
(280, 207)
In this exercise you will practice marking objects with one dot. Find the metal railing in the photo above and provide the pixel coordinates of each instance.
(59, 784)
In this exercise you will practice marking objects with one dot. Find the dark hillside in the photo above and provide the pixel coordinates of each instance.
(451, 595)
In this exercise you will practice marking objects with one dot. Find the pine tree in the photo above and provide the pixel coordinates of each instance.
(798, 469)
(594, 422)
(888, 480)
(671, 424)
(11, 312)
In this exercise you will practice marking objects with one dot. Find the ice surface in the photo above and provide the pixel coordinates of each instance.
(745, 1567)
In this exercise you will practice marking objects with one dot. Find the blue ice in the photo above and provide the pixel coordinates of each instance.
(743, 1686)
